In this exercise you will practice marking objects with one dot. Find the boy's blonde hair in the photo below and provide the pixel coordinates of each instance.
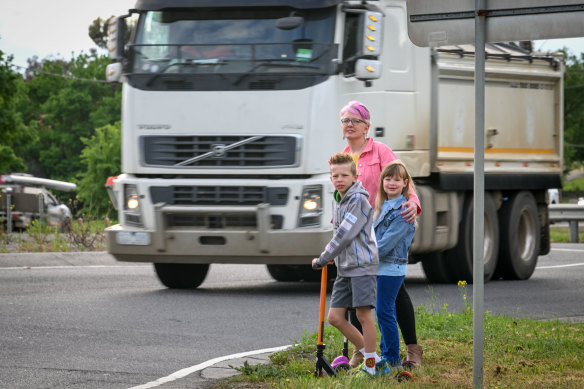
(343, 158)
(392, 169)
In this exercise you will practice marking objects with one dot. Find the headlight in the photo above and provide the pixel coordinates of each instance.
(311, 206)
(131, 197)
(133, 202)
(132, 212)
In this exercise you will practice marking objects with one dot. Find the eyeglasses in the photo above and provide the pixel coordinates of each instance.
(352, 121)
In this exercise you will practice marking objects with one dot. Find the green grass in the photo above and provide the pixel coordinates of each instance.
(573, 186)
(562, 234)
(518, 353)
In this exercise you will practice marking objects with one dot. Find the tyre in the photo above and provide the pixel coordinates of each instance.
(436, 268)
(181, 275)
(519, 237)
(283, 273)
(460, 258)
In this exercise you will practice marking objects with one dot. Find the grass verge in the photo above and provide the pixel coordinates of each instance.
(518, 353)
(562, 234)
(39, 237)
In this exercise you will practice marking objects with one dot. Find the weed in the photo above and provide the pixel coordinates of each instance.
(518, 353)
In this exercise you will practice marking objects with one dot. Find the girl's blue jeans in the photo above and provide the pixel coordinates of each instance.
(387, 288)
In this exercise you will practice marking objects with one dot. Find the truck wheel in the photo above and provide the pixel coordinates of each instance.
(307, 274)
(283, 273)
(460, 258)
(181, 275)
(520, 237)
(436, 268)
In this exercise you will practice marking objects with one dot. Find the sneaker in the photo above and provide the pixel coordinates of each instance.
(382, 368)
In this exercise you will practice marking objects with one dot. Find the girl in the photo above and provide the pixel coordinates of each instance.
(394, 237)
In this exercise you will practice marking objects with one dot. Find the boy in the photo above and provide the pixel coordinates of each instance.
(355, 250)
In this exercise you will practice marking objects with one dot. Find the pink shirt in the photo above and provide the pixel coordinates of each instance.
(371, 161)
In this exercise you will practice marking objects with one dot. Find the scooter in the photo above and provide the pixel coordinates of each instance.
(322, 365)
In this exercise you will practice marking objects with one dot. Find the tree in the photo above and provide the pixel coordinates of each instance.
(68, 101)
(10, 120)
(101, 159)
(574, 111)
(98, 31)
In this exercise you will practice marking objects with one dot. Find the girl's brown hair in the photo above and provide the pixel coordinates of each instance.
(392, 169)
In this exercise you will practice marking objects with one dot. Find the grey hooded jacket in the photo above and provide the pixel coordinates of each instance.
(353, 243)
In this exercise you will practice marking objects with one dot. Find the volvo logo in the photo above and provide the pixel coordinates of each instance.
(218, 151)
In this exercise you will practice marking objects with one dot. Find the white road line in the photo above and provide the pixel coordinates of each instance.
(189, 370)
(558, 249)
(66, 267)
(559, 266)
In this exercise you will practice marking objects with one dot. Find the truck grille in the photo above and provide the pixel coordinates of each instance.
(220, 222)
(218, 195)
(184, 151)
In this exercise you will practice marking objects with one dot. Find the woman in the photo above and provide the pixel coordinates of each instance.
(371, 157)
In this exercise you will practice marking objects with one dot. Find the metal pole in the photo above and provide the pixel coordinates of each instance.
(479, 195)
(41, 202)
(434, 74)
(9, 210)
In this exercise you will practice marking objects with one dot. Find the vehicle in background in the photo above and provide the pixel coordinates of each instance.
(580, 200)
(230, 113)
(554, 196)
(24, 198)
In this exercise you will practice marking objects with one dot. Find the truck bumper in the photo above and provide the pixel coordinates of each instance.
(195, 245)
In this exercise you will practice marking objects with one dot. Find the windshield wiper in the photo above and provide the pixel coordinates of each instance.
(196, 62)
(272, 63)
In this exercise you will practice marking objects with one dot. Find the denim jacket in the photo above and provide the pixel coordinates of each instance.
(394, 236)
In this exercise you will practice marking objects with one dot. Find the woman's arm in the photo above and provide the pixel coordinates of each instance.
(412, 207)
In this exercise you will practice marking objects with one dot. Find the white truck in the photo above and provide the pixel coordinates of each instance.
(231, 110)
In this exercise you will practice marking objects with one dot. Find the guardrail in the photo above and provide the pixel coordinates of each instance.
(571, 213)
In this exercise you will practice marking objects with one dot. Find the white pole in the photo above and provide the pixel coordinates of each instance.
(479, 195)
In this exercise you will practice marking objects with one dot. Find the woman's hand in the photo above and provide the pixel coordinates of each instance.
(410, 209)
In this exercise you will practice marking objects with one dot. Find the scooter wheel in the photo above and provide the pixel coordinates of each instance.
(343, 366)
(403, 376)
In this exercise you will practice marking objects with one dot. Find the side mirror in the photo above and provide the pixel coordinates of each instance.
(115, 38)
(113, 72)
(367, 69)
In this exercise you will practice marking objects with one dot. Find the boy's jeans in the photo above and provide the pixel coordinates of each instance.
(387, 288)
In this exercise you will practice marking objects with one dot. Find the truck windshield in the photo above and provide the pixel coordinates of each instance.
(240, 41)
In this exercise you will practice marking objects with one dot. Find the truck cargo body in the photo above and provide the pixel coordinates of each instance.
(224, 156)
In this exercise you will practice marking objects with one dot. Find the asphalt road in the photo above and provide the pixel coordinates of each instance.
(82, 320)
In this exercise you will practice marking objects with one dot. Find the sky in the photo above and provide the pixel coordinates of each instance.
(58, 28)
